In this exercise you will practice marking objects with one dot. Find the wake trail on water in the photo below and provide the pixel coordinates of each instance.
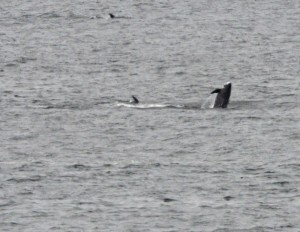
(149, 106)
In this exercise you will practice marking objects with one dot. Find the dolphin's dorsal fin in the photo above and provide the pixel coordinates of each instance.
(135, 99)
(216, 91)
(112, 15)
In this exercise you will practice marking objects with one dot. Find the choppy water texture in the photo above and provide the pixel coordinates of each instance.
(76, 157)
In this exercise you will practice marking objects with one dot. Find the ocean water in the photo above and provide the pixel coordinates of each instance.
(75, 156)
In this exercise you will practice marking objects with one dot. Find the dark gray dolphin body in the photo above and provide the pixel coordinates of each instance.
(112, 16)
(135, 100)
(223, 96)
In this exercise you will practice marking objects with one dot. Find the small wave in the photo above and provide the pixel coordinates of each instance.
(73, 15)
(65, 106)
(140, 165)
(6, 203)
(79, 167)
(50, 15)
(10, 65)
(281, 183)
(30, 179)
(24, 137)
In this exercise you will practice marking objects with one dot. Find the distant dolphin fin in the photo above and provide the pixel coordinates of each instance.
(112, 15)
(216, 91)
(135, 99)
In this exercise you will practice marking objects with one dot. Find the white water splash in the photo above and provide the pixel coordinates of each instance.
(209, 102)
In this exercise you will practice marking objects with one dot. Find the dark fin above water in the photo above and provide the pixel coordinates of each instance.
(216, 91)
(112, 16)
(168, 199)
(135, 100)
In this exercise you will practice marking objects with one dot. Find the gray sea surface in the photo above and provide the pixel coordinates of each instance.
(75, 156)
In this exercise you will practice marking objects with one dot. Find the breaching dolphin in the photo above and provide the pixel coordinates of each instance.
(223, 95)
